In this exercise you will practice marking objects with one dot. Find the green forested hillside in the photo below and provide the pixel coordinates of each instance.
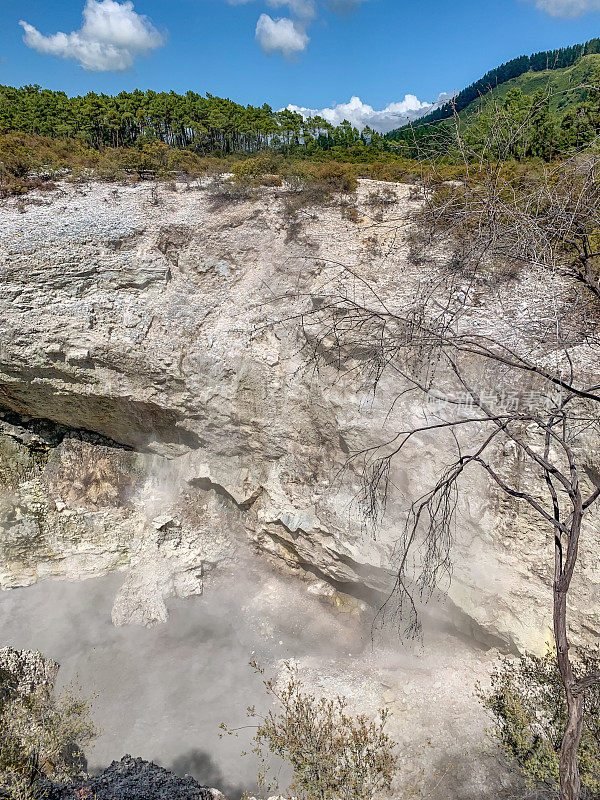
(545, 113)
(545, 61)
(566, 88)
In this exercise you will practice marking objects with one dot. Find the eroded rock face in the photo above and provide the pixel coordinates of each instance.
(75, 505)
(30, 670)
(169, 332)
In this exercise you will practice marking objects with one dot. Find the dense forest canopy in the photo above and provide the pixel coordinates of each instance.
(205, 124)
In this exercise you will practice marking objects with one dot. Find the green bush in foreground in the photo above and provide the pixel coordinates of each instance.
(333, 755)
(526, 699)
(41, 736)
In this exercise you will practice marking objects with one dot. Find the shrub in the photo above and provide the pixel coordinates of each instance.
(329, 177)
(526, 699)
(270, 180)
(333, 755)
(28, 160)
(383, 197)
(41, 737)
(228, 191)
(257, 166)
(350, 213)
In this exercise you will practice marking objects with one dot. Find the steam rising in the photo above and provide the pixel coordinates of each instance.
(162, 692)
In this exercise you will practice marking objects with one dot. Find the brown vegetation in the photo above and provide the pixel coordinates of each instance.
(29, 161)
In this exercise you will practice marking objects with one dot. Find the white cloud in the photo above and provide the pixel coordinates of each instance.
(283, 36)
(393, 116)
(302, 8)
(111, 37)
(288, 36)
(568, 8)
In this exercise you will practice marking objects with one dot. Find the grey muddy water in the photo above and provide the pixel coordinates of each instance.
(161, 692)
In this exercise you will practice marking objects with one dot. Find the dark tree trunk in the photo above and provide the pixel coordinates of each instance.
(570, 779)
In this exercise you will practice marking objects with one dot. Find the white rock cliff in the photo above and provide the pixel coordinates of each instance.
(156, 335)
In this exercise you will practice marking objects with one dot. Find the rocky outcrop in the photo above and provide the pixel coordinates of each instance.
(134, 779)
(76, 505)
(28, 670)
(161, 412)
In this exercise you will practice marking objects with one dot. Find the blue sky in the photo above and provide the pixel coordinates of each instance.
(303, 52)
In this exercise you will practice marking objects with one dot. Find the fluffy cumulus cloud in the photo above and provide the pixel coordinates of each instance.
(111, 37)
(568, 8)
(288, 35)
(284, 36)
(387, 119)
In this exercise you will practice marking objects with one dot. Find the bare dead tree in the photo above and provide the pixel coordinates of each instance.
(442, 346)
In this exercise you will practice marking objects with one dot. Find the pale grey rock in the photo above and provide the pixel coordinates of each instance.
(31, 670)
(152, 325)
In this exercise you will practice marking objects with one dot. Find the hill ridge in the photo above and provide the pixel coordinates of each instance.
(544, 60)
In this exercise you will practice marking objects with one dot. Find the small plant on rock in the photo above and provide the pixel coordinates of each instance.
(41, 739)
(334, 755)
(350, 213)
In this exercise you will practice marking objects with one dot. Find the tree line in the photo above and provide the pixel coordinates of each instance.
(204, 124)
